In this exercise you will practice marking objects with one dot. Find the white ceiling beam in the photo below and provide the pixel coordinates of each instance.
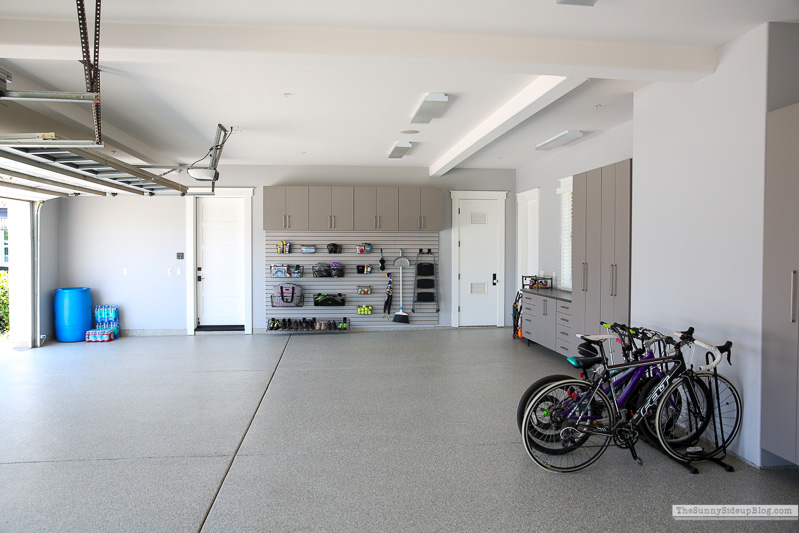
(535, 97)
(40, 39)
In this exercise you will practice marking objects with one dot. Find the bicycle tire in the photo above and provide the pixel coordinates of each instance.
(530, 392)
(728, 412)
(681, 422)
(542, 435)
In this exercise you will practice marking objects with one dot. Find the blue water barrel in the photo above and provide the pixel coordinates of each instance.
(73, 313)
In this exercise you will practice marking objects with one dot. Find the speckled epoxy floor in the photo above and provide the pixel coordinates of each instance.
(366, 431)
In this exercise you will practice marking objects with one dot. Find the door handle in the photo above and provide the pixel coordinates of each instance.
(494, 281)
(379, 225)
(792, 315)
(329, 222)
(585, 277)
(374, 222)
(615, 280)
(333, 220)
(545, 308)
(288, 221)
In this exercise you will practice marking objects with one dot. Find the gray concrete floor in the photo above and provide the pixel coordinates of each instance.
(386, 431)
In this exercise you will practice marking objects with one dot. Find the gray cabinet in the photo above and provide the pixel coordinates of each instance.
(615, 248)
(286, 208)
(780, 342)
(376, 208)
(330, 208)
(420, 209)
(547, 321)
(601, 204)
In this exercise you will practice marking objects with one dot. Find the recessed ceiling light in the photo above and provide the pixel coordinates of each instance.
(409, 132)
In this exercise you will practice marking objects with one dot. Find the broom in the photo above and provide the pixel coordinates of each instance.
(401, 316)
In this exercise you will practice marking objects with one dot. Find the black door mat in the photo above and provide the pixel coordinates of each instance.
(219, 328)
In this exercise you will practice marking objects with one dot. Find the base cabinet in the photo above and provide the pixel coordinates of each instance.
(547, 321)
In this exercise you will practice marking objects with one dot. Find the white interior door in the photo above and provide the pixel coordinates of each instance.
(479, 264)
(220, 261)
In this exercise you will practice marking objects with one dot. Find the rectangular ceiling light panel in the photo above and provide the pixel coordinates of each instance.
(400, 149)
(559, 140)
(432, 106)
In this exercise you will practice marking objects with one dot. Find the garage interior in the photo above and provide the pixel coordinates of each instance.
(197, 419)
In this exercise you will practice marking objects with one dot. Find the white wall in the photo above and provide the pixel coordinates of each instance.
(594, 152)
(252, 176)
(99, 237)
(48, 265)
(697, 223)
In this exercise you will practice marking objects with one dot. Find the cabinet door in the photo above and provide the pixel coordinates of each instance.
(365, 211)
(387, 208)
(621, 307)
(341, 208)
(319, 215)
(593, 251)
(780, 378)
(579, 199)
(432, 209)
(607, 249)
(274, 208)
(410, 209)
(550, 323)
(297, 208)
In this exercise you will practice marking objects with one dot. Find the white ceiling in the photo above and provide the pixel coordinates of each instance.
(314, 82)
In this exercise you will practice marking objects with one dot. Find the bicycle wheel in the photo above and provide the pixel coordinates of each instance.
(560, 423)
(727, 407)
(682, 419)
(530, 392)
(647, 425)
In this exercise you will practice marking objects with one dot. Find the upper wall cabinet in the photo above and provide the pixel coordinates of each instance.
(330, 208)
(286, 208)
(376, 208)
(420, 209)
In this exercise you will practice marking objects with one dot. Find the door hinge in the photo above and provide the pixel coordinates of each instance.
(459, 244)
(459, 276)
(459, 308)
(459, 210)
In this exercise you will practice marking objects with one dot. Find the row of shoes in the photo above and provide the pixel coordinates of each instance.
(307, 324)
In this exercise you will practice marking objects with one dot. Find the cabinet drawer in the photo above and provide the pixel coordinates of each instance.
(527, 328)
(564, 320)
(563, 347)
(564, 334)
(564, 308)
(530, 301)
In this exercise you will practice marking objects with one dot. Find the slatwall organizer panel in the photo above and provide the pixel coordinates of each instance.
(390, 242)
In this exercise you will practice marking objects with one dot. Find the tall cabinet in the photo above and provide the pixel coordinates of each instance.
(601, 207)
(780, 377)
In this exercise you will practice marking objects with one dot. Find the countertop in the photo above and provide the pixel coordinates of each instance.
(557, 294)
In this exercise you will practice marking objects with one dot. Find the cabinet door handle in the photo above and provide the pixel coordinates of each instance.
(585, 277)
(374, 222)
(285, 223)
(792, 315)
(379, 222)
(422, 223)
(545, 308)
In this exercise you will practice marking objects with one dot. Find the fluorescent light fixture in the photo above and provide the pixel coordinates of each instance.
(400, 149)
(51, 96)
(559, 140)
(432, 106)
(584, 3)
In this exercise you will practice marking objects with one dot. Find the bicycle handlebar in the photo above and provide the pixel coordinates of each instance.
(716, 354)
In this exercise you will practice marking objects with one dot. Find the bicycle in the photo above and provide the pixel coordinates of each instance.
(691, 433)
(569, 424)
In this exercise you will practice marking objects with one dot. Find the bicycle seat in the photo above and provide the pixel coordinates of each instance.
(595, 339)
(584, 362)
